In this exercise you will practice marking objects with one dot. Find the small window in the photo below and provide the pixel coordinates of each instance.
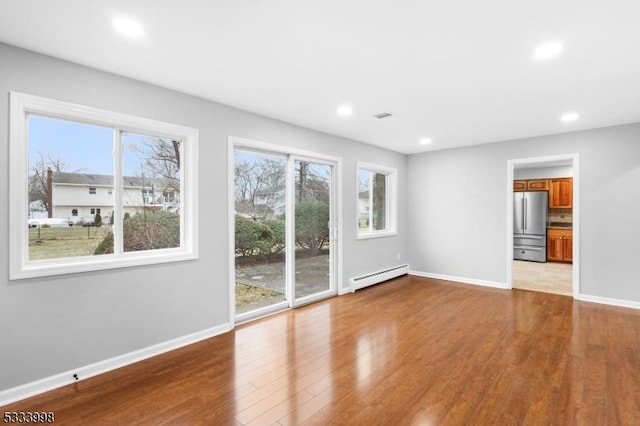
(376, 201)
(61, 151)
(147, 196)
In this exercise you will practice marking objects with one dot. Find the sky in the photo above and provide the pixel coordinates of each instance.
(82, 148)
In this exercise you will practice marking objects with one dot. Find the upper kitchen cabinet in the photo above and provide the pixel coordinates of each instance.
(537, 185)
(561, 193)
(531, 185)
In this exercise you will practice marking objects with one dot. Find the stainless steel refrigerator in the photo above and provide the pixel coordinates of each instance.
(530, 226)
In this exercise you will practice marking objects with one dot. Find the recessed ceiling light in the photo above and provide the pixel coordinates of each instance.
(425, 141)
(344, 110)
(548, 50)
(569, 117)
(128, 27)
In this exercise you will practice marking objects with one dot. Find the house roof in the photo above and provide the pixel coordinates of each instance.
(104, 180)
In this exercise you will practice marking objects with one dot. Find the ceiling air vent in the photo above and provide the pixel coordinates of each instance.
(383, 115)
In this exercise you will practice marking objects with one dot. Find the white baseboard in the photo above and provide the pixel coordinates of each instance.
(463, 280)
(609, 301)
(582, 297)
(345, 290)
(62, 379)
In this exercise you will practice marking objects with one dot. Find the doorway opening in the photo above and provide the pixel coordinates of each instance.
(543, 223)
(284, 228)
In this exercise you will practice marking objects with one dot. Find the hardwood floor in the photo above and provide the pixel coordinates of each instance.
(548, 277)
(409, 351)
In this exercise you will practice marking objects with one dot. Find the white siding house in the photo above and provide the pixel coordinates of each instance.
(79, 196)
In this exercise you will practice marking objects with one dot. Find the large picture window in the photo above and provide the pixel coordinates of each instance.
(376, 200)
(94, 189)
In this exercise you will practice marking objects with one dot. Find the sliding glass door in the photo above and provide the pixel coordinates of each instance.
(284, 229)
(313, 227)
(260, 224)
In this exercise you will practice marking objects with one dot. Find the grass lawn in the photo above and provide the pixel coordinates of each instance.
(247, 294)
(53, 243)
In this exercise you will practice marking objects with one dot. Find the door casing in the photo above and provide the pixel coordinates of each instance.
(574, 158)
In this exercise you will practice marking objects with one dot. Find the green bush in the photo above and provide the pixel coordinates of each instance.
(252, 237)
(106, 245)
(97, 220)
(278, 237)
(312, 225)
(269, 237)
(146, 231)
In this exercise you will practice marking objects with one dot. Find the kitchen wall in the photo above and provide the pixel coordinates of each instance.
(458, 209)
(52, 325)
(543, 172)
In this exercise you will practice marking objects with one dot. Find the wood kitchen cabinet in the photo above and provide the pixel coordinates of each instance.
(561, 193)
(531, 185)
(519, 185)
(560, 245)
(538, 185)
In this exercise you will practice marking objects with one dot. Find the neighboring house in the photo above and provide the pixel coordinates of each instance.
(82, 195)
(363, 205)
(273, 199)
(268, 204)
(37, 210)
(258, 211)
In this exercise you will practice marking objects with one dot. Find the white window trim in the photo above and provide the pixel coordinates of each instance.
(391, 201)
(19, 265)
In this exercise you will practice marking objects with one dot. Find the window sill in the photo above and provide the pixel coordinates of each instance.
(380, 234)
(88, 264)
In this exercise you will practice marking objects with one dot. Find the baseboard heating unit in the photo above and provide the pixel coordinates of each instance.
(377, 277)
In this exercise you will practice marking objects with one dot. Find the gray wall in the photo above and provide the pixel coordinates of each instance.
(458, 209)
(542, 172)
(51, 325)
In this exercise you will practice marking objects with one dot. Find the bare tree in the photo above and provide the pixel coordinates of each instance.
(247, 181)
(274, 174)
(38, 187)
(163, 160)
(311, 183)
(259, 186)
(379, 201)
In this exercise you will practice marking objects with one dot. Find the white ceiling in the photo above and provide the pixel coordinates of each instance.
(460, 72)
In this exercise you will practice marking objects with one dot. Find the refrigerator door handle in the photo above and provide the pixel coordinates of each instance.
(524, 212)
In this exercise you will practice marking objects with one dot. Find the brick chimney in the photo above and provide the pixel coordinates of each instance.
(49, 193)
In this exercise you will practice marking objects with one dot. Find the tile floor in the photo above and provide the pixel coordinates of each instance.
(549, 277)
